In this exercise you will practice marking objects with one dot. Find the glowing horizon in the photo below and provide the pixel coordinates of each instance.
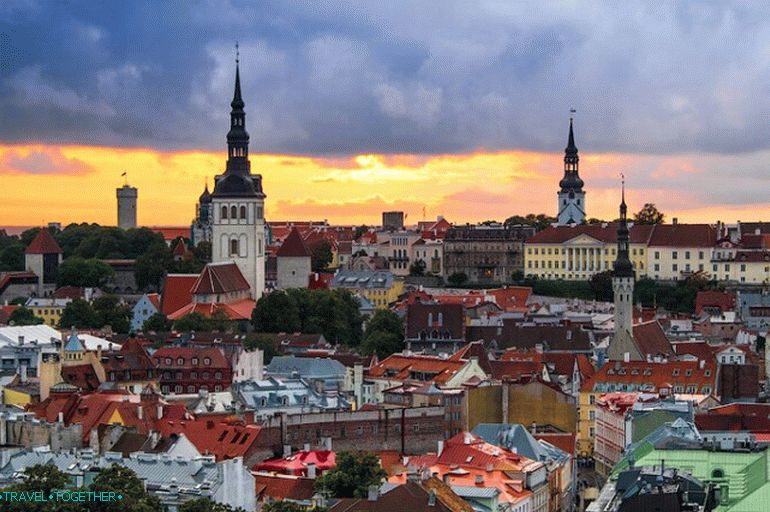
(74, 183)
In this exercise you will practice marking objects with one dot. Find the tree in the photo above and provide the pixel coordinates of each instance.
(110, 311)
(601, 285)
(321, 255)
(193, 322)
(417, 268)
(263, 342)
(152, 266)
(219, 321)
(41, 478)
(24, 316)
(384, 334)
(352, 476)
(206, 505)
(360, 230)
(77, 271)
(123, 481)
(649, 214)
(79, 313)
(276, 312)
(517, 276)
(457, 279)
(539, 221)
(157, 323)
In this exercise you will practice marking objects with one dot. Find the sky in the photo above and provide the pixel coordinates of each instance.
(458, 109)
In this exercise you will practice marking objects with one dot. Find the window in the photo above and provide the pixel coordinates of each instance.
(259, 212)
(674, 255)
(243, 212)
(674, 267)
(233, 247)
(700, 255)
(707, 373)
(193, 375)
(218, 375)
(224, 212)
(195, 361)
(233, 212)
(657, 267)
(191, 389)
(717, 473)
(743, 267)
(180, 361)
(687, 255)
(206, 375)
(657, 255)
(168, 361)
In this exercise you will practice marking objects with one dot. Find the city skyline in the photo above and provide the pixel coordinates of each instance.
(355, 110)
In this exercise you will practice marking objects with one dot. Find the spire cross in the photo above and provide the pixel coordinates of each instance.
(571, 111)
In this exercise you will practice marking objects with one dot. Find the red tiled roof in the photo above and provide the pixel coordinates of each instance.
(180, 249)
(186, 354)
(656, 375)
(177, 291)
(445, 319)
(320, 281)
(44, 243)
(293, 246)
(239, 310)
(398, 367)
(283, 487)
(514, 370)
(154, 299)
(82, 376)
(607, 233)
(8, 278)
(683, 235)
(699, 349)
(297, 463)
(171, 233)
(650, 339)
(224, 440)
(561, 363)
(220, 278)
(68, 292)
(564, 441)
(512, 297)
(752, 256)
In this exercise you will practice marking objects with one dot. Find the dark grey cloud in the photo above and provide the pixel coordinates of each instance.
(392, 77)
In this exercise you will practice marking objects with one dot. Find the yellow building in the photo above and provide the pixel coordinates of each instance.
(379, 287)
(47, 308)
(578, 252)
(20, 394)
(677, 250)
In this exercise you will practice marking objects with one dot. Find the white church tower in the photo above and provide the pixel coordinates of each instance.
(238, 204)
(572, 199)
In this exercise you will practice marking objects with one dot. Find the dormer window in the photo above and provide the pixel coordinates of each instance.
(195, 360)
(168, 361)
(206, 361)
(180, 361)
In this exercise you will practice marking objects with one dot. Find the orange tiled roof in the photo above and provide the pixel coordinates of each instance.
(44, 243)
(655, 375)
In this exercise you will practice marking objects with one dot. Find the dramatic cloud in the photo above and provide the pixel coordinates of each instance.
(389, 77)
(40, 161)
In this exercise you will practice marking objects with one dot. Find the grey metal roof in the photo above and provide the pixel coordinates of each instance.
(475, 492)
(306, 367)
(362, 279)
(517, 437)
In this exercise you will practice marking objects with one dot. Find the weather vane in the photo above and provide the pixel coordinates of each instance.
(571, 111)
(237, 53)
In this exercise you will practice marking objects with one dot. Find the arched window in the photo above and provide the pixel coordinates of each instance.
(233, 212)
(224, 212)
(717, 473)
(243, 212)
(233, 247)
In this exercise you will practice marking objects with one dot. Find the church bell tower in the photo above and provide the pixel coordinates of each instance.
(238, 203)
(572, 199)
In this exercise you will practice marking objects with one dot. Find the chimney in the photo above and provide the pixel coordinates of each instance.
(479, 479)
(286, 450)
(23, 374)
(311, 473)
(675, 221)
(374, 493)
(626, 357)
(432, 498)
(21, 339)
(701, 364)
(306, 447)
(61, 417)
(440, 448)
(140, 412)
(159, 411)
(99, 352)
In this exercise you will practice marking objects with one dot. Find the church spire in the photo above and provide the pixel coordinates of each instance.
(237, 137)
(571, 181)
(623, 266)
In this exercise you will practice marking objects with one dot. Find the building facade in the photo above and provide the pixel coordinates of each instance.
(485, 253)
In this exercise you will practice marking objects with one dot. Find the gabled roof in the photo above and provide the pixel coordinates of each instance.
(223, 439)
(44, 243)
(650, 339)
(683, 235)
(607, 233)
(283, 487)
(293, 246)
(635, 375)
(186, 355)
(724, 301)
(442, 318)
(177, 291)
(222, 277)
(297, 463)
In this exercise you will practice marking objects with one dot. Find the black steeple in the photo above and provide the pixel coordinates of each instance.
(571, 181)
(238, 137)
(623, 266)
(237, 180)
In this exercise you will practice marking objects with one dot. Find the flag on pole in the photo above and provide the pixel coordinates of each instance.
(123, 174)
